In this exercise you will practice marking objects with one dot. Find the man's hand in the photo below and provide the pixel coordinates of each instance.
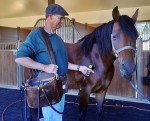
(85, 70)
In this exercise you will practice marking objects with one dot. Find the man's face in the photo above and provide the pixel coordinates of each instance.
(56, 20)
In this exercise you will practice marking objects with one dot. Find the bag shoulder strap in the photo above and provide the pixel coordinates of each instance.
(48, 45)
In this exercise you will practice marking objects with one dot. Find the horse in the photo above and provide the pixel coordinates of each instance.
(108, 42)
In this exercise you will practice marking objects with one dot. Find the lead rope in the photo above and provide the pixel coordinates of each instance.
(138, 91)
(50, 103)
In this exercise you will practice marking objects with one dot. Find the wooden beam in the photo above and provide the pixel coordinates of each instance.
(51, 1)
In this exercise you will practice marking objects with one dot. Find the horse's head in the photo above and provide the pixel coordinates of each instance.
(123, 39)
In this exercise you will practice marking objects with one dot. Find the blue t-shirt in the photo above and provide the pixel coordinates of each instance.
(35, 48)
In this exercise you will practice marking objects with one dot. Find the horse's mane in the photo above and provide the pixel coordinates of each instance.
(102, 36)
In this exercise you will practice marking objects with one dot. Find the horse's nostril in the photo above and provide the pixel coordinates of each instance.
(122, 64)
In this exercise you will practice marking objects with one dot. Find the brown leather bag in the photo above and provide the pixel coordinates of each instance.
(44, 85)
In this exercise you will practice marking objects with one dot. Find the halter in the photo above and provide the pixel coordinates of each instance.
(116, 52)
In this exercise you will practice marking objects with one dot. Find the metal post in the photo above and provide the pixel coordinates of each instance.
(139, 67)
(19, 75)
(38, 89)
(135, 78)
(73, 37)
(18, 33)
(25, 104)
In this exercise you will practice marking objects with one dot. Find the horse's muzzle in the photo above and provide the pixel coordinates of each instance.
(127, 70)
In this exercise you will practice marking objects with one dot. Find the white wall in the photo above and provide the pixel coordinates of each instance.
(91, 17)
(106, 15)
(20, 21)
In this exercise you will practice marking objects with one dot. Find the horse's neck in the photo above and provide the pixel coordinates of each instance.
(76, 55)
(72, 51)
(101, 61)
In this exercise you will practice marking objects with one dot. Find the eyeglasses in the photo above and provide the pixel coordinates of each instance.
(61, 18)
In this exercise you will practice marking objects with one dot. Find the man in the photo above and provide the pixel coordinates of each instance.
(33, 54)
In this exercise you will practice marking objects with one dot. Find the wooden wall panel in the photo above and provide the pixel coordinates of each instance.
(8, 34)
(8, 74)
(8, 67)
(23, 34)
(119, 86)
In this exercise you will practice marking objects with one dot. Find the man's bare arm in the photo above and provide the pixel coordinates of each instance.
(82, 69)
(29, 63)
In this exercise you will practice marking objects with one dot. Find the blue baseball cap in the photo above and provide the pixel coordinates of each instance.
(55, 9)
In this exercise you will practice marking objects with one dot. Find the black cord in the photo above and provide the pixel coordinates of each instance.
(50, 103)
(56, 109)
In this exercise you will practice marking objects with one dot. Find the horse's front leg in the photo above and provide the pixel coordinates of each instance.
(100, 99)
(84, 94)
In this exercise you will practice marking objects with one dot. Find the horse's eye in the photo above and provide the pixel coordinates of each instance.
(114, 36)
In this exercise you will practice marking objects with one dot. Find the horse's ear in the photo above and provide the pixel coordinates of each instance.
(116, 14)
(134, 17)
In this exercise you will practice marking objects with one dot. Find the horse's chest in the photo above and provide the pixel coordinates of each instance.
(101, 85)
